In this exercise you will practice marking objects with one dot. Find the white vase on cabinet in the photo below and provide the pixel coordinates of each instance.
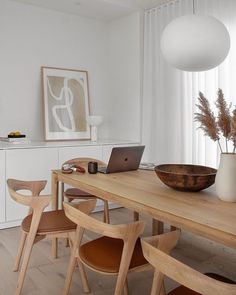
(226, 178)
(94, 122)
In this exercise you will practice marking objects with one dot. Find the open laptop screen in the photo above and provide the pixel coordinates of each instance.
(124, 159)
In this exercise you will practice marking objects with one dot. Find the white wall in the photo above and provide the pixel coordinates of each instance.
(124, 77)
(31, 37)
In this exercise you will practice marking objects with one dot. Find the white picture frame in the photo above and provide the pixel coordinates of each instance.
(66, 104)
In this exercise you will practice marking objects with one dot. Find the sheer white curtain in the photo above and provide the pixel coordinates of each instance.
(169, 95)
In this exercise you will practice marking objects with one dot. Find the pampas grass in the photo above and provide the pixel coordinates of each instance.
(224, 118)
(207, 119)
(216, 126)
(233, 129)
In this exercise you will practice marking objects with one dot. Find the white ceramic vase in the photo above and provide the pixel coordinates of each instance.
(94, 121)
(226, 178)
(94, 133)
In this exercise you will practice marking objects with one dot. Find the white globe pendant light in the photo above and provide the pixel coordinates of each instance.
(195, 43)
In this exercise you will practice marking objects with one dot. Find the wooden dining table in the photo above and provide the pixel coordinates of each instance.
(201, 212)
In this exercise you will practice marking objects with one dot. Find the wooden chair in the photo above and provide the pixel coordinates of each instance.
(38, 224)
(193, 282)
(116, 252)
(75, 193)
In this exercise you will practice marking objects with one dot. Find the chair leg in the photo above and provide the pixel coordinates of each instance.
(69, 274)
(67, 243)
(126, 288)
(124, 266)
(25, 262)
(20, 251)
(106, 217)
(72, 263)
(54, 248)
(136, 216)
(157, 284)
(62, 194)
(163, 291)
(83, 277)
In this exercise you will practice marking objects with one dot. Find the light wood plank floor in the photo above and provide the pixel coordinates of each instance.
(46, 276)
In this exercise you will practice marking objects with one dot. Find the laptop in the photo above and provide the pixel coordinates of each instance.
(123, 159)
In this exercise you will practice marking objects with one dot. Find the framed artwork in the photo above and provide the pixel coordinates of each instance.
(66, 104)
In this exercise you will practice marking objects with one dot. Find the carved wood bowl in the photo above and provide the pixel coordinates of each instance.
(188, 178)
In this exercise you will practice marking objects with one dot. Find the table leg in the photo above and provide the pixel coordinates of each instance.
(157, 227)
(136, 216)
(54, 190)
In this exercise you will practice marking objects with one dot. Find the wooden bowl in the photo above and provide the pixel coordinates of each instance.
(188, 178)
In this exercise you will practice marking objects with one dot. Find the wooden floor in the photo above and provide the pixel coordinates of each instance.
(46, 276)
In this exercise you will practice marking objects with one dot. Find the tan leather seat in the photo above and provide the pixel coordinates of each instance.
(50, 222)
(182, 290)
(75, 193)
(104, 254)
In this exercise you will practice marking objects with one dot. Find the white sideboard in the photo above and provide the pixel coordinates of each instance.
(35, 161)
(2, 187)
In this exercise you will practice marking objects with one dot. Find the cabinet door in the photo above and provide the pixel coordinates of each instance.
(2, 186)
(28, 164)
(106, 150)
(67, 153)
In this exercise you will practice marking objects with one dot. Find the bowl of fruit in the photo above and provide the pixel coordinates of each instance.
(15, 134)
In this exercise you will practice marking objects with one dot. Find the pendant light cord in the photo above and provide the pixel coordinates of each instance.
(193, 7)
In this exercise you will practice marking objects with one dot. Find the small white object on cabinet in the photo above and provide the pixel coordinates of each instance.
(94, 122)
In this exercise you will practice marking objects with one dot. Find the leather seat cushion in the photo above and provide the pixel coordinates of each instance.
(77, 193)
(51, 221)
(181, 290)
(185, 291)
(104, 254)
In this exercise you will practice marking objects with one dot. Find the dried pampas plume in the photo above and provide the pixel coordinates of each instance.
(233, 129)
(224, 124)
(224, 118)
(207, 119)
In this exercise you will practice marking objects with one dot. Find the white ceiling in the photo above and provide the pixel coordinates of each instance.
(105, 10)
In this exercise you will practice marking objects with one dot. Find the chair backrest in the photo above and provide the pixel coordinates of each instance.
(127, 232)
(35, 187)
(164, 264)
(83, 162)
(120, 231)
